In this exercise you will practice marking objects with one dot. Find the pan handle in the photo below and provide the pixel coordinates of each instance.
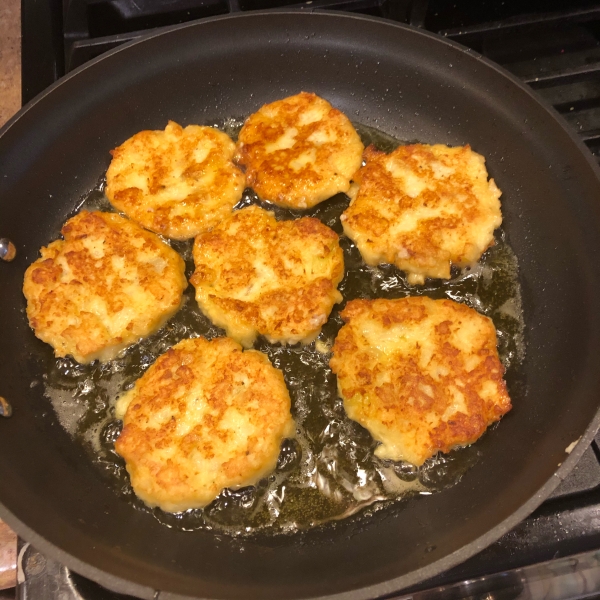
(7, 253)
(7, 250)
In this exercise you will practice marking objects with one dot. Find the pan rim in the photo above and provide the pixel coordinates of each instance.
(126, 586)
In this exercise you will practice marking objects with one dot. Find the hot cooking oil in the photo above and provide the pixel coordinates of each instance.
(329, 471)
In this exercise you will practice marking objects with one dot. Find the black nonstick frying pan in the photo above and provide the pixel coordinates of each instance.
(411, 85)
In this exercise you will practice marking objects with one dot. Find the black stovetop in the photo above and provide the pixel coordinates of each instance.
(554, 46)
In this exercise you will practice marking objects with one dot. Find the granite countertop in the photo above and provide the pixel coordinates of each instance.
(10, 59)
(10, 102)
(8, 557)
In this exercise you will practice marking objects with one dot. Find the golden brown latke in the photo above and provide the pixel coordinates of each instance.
(423, 208)
(205, 416)
(255, 275)
(421, 375)
(107, 284)
(299, 151)
(177, 182)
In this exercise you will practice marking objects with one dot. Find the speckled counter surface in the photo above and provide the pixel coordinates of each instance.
(10, 58)
(8, 557)
(10, 102)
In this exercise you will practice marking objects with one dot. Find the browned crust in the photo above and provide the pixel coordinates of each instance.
(269, 173)
(401, 403)
(210, 455)
(381, 203)
(56, 297)
(296, 303)
(153, 206)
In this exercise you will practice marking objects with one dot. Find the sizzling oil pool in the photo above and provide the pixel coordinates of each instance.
(328, 471)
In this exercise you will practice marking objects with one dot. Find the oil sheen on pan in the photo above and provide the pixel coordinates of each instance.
(329, 471)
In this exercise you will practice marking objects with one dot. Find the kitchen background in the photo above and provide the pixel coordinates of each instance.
(10, 102)
(10, 59)
(555, 48)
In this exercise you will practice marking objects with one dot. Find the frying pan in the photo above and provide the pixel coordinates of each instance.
(409, 84)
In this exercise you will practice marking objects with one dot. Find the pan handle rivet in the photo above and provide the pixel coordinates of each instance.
(5, 408)
(7, 250)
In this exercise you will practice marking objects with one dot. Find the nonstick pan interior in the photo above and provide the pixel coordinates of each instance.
(408, 84)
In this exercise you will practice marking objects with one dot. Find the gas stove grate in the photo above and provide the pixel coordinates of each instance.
(555, 51)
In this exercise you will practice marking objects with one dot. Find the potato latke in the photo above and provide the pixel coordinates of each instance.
(255, 275)
(204, 417)
(421, 375)
(423, 208)
(177, 182)
(299, 151)
(103, 287)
